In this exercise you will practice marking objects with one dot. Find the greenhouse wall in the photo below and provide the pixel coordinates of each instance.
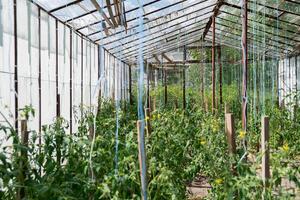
(76, 66)
(289, 80)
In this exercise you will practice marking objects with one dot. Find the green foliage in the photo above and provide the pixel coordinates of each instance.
(182, 145)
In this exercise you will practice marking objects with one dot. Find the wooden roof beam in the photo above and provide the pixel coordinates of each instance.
(97, 6)
(215, 13)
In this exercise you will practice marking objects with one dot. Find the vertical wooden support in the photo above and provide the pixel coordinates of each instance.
(245, 63)
(202, 84)
(148, 85)
(183, 78)
(90, 83)
(81, 80)
(40, 78)
(71, 83)
(229, 129)
(56, 70)
(16, 87)
(206, 105)
(58, 105)
(227, 108)
(23, 160)
(130, 85)
(91, 137)
(213, 78)
(121, 83)
(142, 158)
(277, 84)
(155, 86)
(166, 88)
(265, 165)
(114, 77)
(91, 131)
(148, 121)
(220, 77)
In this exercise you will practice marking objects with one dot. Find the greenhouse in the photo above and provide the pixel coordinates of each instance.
(149, 99)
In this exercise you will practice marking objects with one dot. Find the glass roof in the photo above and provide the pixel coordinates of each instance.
(273, 25)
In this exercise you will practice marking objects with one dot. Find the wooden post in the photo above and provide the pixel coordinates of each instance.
(229, 129)
(183, 77)
(227, 109)
(265, 165)
(130, 87)
(148, 85)
(56, 68)
(91, 132)
(16, 86)
(213, 78)
(39, 76)
(91, 174)
(113, 59)
(220, 78)
(202, 84)
(245, 63)
(142, 158)
(58, 105)
(206, 104)
(81, 79)
(71, 82)
(23, 160)
(166, 88)
(148, 123)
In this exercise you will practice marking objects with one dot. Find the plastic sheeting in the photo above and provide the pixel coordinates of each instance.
(31, 58)
(288, 80)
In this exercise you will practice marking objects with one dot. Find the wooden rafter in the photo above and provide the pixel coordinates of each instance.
(111, 14)
(158, 18)
(167, 58)
(215, 13)
(97, 6)
(117, 11)
(156, 58)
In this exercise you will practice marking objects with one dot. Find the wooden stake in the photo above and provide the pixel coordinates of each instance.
(245, 63)
(58, 105)
(220, 78)
(166, 87)
(23, 161)
(229, 129)
(130, 87)
(148, 123)
(227, 109)
(213, 78)
(183, 78)
(148, 84)
(142, 158)
(202, 83)
(154, 103)
(265, 165)
(16, 82)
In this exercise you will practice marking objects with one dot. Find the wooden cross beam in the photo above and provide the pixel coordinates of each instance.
(97, 6)
(156, 58)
